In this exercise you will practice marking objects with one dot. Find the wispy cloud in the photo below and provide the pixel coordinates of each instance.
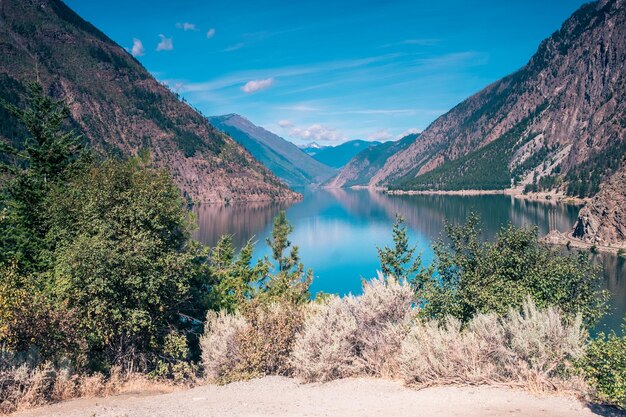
(374, 112)
(408, 132)
(381, 135)
(186, 26)
(282, 72)
(285, 123)
(299, 108)
(137, 49)
(210, 33)
(166, 44)
(257, 85)
(234, 47)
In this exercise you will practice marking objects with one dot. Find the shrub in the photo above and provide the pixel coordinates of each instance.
(26, 382)
(604, 367)
(474, 276)
(531, 348)
(325, 350)
(355, 335)
(251, 344)
(220, 350)
(121, 260)
(267, 345)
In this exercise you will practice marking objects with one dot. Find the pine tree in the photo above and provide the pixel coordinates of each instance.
(291, 280)
(49, 156)
(399, 261)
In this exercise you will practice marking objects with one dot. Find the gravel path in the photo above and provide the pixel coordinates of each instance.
(276, 396)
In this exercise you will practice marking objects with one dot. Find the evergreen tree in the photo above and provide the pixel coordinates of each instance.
(49, 155)
(291, 280)
(233, 278)
(399, 261)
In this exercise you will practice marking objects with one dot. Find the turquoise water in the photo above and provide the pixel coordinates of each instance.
(337, 231)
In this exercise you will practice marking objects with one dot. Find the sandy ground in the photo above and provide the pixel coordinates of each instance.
(277, 396)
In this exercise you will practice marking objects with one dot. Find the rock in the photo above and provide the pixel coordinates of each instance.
(602, 221)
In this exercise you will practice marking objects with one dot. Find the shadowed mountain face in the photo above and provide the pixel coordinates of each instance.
(561, 119)
(338, 156)
(118, 106)
(283, 158)
(364, 165)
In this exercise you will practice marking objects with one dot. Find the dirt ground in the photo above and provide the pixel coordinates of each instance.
(277, 396)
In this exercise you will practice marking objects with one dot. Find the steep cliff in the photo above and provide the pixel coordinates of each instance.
(560, 121)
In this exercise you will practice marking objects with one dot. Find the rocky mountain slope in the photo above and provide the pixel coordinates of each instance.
(338, 156)
(118, 106)
(603, 220)
(560, 121)
(364, 165)
(283, 158)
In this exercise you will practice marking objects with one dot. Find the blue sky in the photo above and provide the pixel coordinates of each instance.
(329, 70)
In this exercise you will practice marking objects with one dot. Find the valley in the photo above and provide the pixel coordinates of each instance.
(295, 208)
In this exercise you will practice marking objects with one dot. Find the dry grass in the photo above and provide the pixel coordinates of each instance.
(220, 350)
(533, 349)
(355, 335)
(380, 334)
(256, 343)
(26, 384)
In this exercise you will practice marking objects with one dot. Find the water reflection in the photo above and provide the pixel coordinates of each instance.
(338, 230)
(243, 221)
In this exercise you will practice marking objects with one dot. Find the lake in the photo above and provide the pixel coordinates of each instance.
(337, 231)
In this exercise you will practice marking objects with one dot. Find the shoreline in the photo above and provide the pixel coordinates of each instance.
(545, 197)
(557, 238)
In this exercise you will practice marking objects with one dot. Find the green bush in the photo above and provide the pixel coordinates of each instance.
(473, 276)
(121, 259)
(604, 367)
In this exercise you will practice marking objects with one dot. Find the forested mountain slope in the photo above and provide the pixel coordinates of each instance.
(560, 121)
(364, 165)
(118, 106)
(283, 158)
(338, 156)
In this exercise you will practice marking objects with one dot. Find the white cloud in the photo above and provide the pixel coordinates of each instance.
(137, 49)
(210, 33)
(285, 123)
(381, 135)
(166, 44)
(234, 47)
(186, 26)
(316, 132)
(257, 85)
(408, 132)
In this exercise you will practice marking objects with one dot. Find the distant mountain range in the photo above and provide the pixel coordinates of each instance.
(338, 156)
(312, 148)
(282, 157)
(364, 165)
(557, 123)
(118, 106)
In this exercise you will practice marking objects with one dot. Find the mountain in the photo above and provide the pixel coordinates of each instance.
(364, 165)
(603, 220)
(558, 122)
(340, 155)
(312, 148)
(282, 157)
(118, 106)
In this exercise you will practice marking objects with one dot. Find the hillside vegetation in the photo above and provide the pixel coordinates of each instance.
(338, 156)
(288, 162)
(100, 285)
(557, 123)
(118, 106)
